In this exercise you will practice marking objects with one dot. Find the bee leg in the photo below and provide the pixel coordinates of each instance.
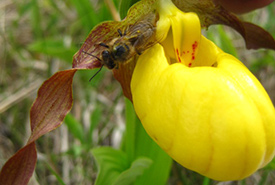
(96, 73)
(119, 32)
(139, 52)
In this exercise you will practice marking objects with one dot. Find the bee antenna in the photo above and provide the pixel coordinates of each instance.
(96, 73)
(92, 55)
(104, 45)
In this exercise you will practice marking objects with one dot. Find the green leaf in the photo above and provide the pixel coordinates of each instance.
(111, 164)
(129, 136)
(159, 171)
(267, 59)
(226, 44)
(220, 38)
(36, 19)
(137, 144)
(264, 177)
(95, 118)
(76, 150)
(218, 35)
(86, 13)
(206, 181)
(271, 165)
(137, 169)
(55, 48)
(74, 127)
(58, 178)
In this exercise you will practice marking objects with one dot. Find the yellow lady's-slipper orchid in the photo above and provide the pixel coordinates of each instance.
(201, 105)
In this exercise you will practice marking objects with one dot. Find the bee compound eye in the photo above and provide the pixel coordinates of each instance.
(120, 50)
(105, 55)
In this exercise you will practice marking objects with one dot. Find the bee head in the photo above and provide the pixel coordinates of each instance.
(107, 59)
(106, 55)
(121, 51)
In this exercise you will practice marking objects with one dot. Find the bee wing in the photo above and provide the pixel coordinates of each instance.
(133, 38)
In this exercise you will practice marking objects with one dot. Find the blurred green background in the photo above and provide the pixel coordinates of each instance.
(39, 38)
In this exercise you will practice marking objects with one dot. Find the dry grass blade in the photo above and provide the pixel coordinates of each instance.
(20, 95)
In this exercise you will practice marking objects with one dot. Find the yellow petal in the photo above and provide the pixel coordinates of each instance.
(217, 121)
(185, 34)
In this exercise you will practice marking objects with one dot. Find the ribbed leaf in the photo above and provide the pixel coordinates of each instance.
(137, 169)
(111, 164)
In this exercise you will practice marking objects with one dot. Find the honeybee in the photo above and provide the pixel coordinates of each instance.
(135, 39)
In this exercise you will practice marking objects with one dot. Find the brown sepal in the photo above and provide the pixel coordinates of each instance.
(19, 168)
(210, 14)
(54, 101)
(124, 76)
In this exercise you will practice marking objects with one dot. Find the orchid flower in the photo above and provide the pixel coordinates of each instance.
(201, 105)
